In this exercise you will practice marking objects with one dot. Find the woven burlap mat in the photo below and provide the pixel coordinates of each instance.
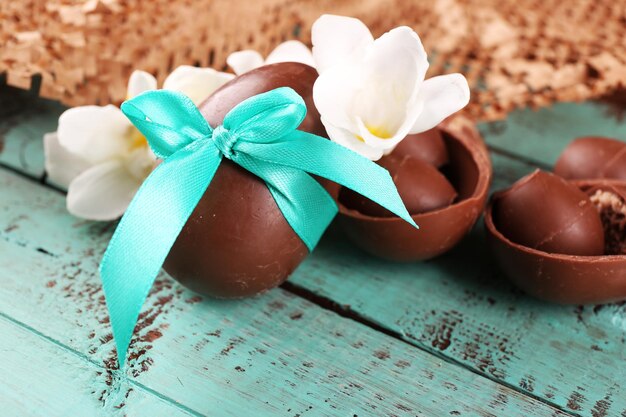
(515, 53)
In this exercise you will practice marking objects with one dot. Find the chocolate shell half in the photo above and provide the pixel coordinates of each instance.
(237, 242)
(570, 279)
(469, 170)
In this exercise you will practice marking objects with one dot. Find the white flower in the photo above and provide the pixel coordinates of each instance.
(290, 51)
(101, 158)
(372, 93)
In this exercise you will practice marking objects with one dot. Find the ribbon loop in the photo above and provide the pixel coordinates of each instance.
(169, 121)
(266, 118)
(260, 135)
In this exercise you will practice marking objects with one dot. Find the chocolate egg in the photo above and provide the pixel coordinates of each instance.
(543, 211)
(237, 242)
(427, 146)
(572, 279)
(468, 170)
(420, 185)
(593, 157)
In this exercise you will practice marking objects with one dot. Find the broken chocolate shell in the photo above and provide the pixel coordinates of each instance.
(469, 171)
(568, 279)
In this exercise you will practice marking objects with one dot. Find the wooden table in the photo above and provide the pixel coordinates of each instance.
(346, 336)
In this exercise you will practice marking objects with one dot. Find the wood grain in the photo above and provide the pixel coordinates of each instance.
(40, 377)
(275, 355)
(461, 307)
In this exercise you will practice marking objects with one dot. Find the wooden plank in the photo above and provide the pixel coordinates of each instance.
(23, 122)
(568, 395)
(461, 307)
(540, 136)
(41, 378)
(275, 355)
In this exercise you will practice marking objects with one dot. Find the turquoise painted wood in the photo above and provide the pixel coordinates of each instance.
(39, 377)
(276, 355)
(540, 136)
(457, 308)
(23, 122)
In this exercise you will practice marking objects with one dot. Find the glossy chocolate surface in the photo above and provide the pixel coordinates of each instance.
(237, 243)
(469, 171)
(428, 146)
(572, 279)
(543, 211)
(420, 185)
(593, 157)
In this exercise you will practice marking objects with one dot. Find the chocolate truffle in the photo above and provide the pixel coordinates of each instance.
(593, 157)
(427, 146)
(468, 171)
(420, 185)
(237, 242)
(543, 211)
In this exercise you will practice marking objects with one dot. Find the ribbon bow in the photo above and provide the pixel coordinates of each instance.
(260, 135)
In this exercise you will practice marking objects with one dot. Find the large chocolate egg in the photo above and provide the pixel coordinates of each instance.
(468, 170)
(592, 157)
(237, 243)
(543, 211)
(572, 279)
(420, 185)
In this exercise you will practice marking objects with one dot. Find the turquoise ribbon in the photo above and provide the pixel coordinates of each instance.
(260, 135)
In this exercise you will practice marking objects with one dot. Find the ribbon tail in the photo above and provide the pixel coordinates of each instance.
(319, 156)
(305, 204)
(147, 232)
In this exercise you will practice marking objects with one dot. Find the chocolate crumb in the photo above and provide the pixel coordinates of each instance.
(612, 211)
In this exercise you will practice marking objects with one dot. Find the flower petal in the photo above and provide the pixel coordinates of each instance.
(338, 39)
(196, 83)
(244, 61)
(94, 133)
(334, 92)
(291, 51)
(61, 165)
(103, 192)
(139, 82)
(391, 138)
(349, 140)
(140, 162)
(398, 63)
(442, 96)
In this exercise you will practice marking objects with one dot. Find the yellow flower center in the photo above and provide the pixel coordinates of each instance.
(379, 131)
(137, 140)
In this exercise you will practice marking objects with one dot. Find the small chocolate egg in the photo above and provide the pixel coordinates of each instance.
(237, 242)
(420, 185)
(543, 211)
(593, 157)
(427, 146)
